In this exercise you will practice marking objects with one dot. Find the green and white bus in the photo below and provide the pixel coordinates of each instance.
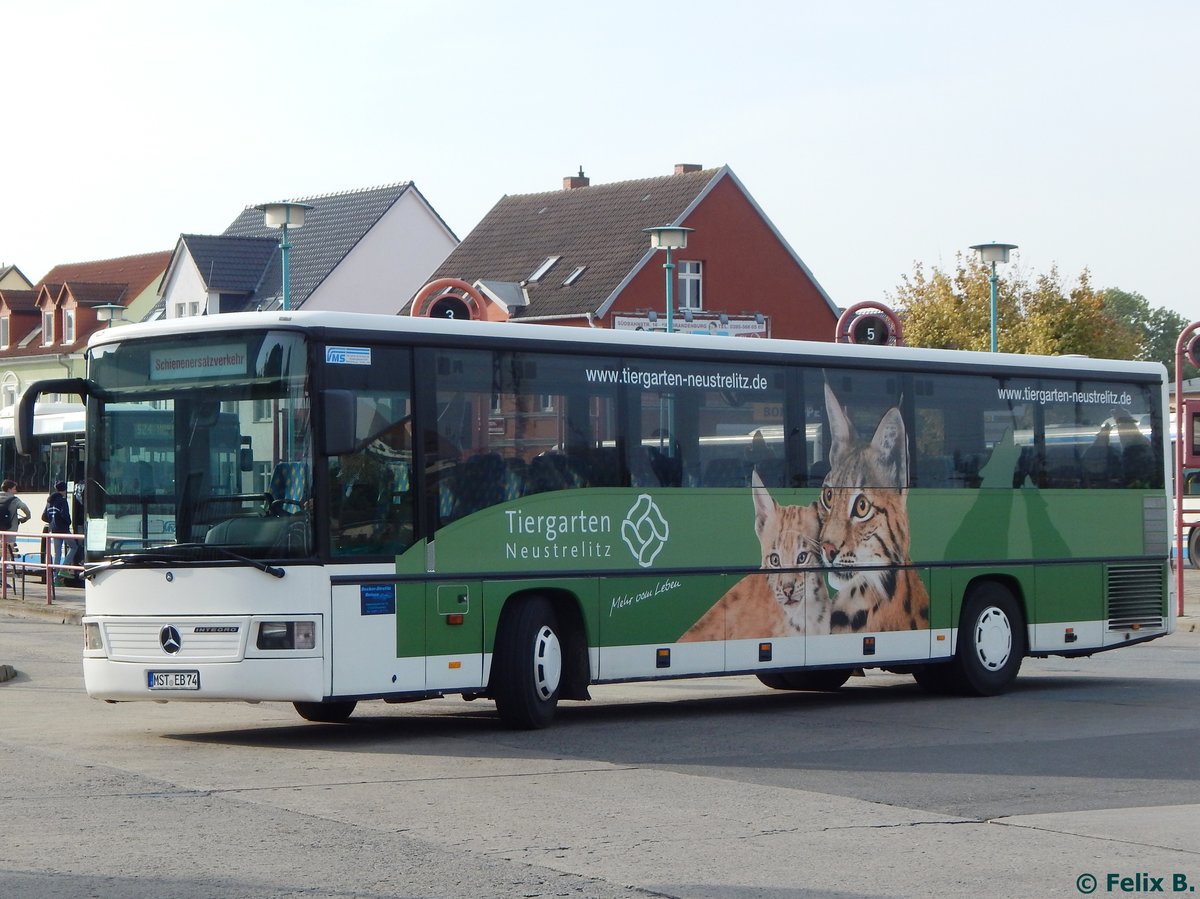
(520, 512)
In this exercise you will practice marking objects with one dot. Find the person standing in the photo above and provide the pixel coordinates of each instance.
(13, 514)
(58, 517)
(13, 511)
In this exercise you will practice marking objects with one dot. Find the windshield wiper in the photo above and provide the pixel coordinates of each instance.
(167, 554)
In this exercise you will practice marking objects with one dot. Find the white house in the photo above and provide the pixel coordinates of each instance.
(363, 251)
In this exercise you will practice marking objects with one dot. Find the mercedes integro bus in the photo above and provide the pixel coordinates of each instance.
(417, 508)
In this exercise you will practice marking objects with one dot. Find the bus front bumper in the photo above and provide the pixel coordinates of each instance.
(248, 680)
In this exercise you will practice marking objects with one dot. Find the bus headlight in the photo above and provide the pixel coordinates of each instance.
(287, 635)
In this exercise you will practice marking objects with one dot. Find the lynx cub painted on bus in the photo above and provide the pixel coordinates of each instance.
(789, 596)
(864, 525)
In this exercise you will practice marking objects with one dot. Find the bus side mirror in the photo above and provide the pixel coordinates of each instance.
(341, 426)
(23, 432)
(246, 456)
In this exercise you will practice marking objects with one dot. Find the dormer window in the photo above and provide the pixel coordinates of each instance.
(544, 267)
(4, 331)
(47, 327)
(68, 326)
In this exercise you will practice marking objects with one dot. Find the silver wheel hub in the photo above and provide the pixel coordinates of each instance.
(547, 663)
(993, 638)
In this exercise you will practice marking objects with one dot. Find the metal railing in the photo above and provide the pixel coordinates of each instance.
(15, 561)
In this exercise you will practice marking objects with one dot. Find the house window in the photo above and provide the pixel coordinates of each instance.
(261, 477)
(181, 310)
(262, 410)
(47, 327)
(574, 276)
(8, 390)
(544, 267)
(691, 295)
(4, 333)
(194, 307)
(68, 326)
(547, 402)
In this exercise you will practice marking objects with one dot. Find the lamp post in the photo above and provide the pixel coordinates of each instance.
(109, 312)
(284, 215)
(668, 237)
(993, 253)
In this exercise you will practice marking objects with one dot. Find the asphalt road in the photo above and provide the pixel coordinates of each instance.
(715, 788)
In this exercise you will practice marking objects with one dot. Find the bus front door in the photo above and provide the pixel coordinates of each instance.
(377, 639)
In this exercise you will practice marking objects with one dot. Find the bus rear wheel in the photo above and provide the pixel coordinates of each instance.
(325, 712)
(527, 666)
(1194, 547)
(991, 641)
(827, 680)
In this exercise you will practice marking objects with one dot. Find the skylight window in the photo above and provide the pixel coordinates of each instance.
(544, 267)
(574, 276)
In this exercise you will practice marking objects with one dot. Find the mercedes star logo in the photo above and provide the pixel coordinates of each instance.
(170, 639)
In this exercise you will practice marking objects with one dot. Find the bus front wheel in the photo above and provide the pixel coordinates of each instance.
(325, 712)
(527, 665)
(1194, 547)
(991, 641)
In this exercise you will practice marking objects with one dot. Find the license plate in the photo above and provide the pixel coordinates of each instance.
(173, 680)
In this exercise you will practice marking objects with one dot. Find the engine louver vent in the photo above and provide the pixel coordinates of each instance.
(1136, 596)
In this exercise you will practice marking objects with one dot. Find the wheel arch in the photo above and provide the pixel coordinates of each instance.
(568, 609)
(1009, 582)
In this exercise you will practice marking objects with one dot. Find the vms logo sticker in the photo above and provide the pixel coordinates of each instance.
(644, 530)
(348, 355)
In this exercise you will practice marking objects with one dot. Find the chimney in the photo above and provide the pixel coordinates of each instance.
(686, 168)
(573, 181)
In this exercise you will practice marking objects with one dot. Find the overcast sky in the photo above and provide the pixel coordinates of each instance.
(875, 135)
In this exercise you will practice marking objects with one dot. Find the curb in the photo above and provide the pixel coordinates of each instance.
(63, 614)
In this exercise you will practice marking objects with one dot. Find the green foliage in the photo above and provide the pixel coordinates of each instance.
(1159, 328)
(952, 310)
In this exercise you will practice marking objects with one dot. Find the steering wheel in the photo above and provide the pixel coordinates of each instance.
(278, 506)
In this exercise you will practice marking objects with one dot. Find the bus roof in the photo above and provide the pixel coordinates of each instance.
(607, 338)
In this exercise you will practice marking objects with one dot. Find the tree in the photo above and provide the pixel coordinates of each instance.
(1160, 328)
(953, 311)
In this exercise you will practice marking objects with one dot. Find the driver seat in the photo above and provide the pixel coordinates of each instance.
(290, 483)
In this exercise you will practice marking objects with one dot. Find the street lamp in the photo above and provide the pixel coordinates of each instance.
(668, 237)
(110, 312)
(284, 215)
(993, 253)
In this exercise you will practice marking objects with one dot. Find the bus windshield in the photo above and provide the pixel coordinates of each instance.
(201, 442)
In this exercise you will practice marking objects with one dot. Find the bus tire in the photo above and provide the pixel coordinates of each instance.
(1194, 547)
(776, 680)
(527, 665)
(826, 680)
(938, 678)
(991, 641)
(325, 712)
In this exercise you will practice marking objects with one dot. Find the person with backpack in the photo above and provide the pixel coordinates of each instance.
(58, 517)
(13, 511)
(13, 514)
